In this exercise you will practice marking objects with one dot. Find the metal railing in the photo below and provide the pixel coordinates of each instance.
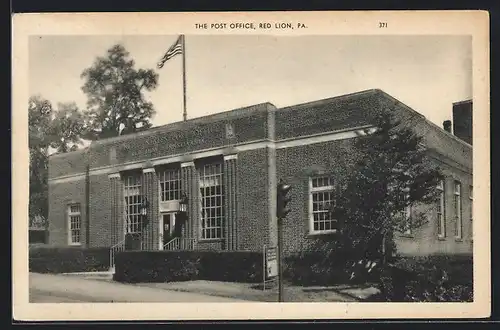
(118, 247)
(180, 243)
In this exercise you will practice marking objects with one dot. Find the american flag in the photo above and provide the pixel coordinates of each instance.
(175, 49)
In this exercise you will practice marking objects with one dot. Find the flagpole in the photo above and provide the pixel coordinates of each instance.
(184, 76)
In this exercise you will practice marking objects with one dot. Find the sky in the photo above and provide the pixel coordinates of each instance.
(225, 72)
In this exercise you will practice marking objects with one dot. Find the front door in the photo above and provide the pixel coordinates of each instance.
(167, 229)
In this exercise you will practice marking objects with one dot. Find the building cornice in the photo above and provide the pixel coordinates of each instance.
(219, 151)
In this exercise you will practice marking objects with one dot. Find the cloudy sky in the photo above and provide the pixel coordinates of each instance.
(428, 73)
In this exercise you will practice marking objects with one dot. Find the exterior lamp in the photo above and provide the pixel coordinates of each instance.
(144, 207)
(183, 203)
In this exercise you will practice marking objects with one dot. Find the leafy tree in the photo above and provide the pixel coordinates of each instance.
(48, 130)
(66, 128)
(115, 99)
(39, 119)
(393, 173)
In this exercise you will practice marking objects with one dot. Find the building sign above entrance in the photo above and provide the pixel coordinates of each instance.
(169, 206)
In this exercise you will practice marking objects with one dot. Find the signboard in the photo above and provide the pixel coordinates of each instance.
(271, 262)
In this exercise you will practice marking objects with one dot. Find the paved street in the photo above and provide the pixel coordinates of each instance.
(59, 288)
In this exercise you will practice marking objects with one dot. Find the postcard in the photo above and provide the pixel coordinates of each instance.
(251, 165)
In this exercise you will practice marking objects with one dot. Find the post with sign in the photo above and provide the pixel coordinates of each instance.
(282, 210)
(271, 263)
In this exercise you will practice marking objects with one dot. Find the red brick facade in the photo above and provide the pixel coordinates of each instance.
(253, 148)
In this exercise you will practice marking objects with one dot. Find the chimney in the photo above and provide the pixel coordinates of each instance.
(462, 120)
(447, 125)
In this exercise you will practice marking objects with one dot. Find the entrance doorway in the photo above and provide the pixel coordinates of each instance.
(167, 227)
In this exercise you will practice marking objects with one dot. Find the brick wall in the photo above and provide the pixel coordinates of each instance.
(295, 166)
(253, 216)
(61, 195)
(191, 188)
(69, 163)
(326, 115)
(100, 211)
(115, 196)
(150, 190)
(231, 202)
(254, 173)
(179, 138)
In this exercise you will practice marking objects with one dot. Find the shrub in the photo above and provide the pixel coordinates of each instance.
(315, 268)
(37, 236)
(232, 266)
(167, 266)
(49, 259)
(430, 279)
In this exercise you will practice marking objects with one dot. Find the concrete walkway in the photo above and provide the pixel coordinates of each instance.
(79, 289)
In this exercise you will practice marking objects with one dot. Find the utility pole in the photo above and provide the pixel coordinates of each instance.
(281, 213)
(280, 263)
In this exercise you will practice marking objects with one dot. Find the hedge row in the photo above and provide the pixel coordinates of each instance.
(314, 268)
(168, 266)
(38, 236)
(427, 279)
(404, 279)
(458, 268)
(67, 259)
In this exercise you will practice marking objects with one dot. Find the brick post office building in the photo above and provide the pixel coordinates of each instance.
(227, 165)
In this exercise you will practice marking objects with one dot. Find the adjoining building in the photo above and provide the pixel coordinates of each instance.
(224, 168)
(462, 120)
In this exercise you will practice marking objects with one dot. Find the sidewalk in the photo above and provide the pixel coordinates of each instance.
(246, 291)
(107, 291)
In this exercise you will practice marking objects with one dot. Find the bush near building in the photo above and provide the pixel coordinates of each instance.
(427, 279)
(168, 266)
(404, 279)
(323, 269)
(312, 268)
(45, 259)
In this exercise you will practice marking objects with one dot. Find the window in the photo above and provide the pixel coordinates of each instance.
(212, 201)
(74, 224)
(320, 201)
(133, 198)
(170, 185)
(471, 200)
(440, 211)
(458, 209)
(405, 212)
